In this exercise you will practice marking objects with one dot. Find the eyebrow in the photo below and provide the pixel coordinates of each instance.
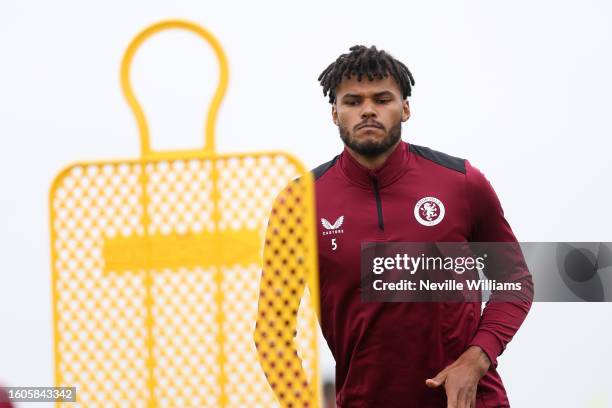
(376, 95)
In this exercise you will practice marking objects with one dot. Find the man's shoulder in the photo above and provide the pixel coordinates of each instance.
(435, 157)
(321, 169)
(442, 159)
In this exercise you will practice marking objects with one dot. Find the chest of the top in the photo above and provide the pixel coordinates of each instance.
(403, 212)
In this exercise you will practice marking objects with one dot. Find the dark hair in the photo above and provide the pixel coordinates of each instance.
(365, 61)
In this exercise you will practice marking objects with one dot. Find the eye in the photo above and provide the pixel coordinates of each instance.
(384, 100)
(351, 102)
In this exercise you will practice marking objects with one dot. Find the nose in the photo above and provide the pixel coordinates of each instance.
(368, 110)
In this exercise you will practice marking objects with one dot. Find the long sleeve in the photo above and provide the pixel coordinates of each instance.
(281, 288)
(500, 320)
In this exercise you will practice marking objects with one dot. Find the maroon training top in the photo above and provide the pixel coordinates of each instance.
(384, 352)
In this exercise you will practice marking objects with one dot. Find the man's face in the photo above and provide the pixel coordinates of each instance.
(369, 114)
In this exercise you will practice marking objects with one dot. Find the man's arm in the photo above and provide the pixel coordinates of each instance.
(282, 285)
(500, 320)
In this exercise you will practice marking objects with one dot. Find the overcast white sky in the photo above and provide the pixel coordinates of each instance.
(522, 89)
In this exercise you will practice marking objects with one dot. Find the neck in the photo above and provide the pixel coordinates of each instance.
(372, 162)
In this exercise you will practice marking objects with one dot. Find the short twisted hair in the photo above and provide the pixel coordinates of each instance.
(362, 61)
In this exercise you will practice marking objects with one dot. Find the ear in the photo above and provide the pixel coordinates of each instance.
(334, 114)
(405, 110)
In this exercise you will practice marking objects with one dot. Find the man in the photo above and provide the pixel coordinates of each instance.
(402, 354)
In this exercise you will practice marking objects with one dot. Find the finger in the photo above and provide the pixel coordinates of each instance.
(452, 392)
(437, 380)
(431, 383)
(471, 399)
(461, 398)
(451, 398)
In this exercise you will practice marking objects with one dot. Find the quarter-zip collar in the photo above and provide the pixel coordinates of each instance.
(386, 174)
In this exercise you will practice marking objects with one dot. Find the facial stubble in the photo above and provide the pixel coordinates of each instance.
(369, 148)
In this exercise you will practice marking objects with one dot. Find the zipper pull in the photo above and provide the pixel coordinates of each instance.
(381, 223)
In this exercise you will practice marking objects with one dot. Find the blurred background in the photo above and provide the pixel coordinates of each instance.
(522, 89)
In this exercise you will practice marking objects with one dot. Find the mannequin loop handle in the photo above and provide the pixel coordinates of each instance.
(126, 85)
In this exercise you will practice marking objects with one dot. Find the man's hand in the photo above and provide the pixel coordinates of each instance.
(461, 378)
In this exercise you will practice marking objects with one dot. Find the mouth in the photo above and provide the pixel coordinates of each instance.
(369, 126)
